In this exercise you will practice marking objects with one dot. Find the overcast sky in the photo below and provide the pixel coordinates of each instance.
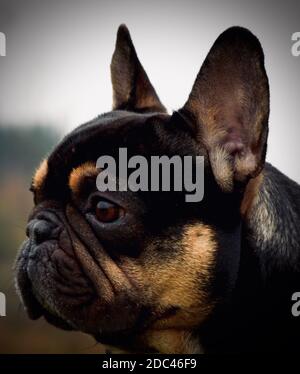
(58, 53)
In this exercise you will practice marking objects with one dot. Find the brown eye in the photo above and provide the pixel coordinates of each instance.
(108, 212)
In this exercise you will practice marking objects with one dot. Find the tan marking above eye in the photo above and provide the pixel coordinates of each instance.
(77, 176)
(40, 175)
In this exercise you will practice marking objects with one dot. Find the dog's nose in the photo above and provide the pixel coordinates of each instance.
(40, 230)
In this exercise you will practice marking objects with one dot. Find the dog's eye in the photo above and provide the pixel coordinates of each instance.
(108, 212)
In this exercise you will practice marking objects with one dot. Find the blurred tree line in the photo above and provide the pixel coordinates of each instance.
(21, 148)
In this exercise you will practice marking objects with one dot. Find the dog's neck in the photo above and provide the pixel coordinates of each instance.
(271, 211)
(269, 270)
(169, 341)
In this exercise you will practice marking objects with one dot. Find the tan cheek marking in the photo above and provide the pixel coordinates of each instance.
(198, 253)
(180, 281)
(88, 169)
(40, 175)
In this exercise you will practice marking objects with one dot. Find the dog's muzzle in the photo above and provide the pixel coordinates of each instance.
(64, 274)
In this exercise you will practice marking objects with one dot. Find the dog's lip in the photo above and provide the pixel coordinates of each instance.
(56, 321)
(36, 311)
(32, 306)
(33, 299)
(126, 332)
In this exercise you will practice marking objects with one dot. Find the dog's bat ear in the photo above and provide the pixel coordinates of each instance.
(132, 89)
(229, 107)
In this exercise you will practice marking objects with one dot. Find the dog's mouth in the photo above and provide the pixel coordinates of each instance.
(74, 284)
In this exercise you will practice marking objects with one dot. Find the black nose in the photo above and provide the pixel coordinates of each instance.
(40, 230)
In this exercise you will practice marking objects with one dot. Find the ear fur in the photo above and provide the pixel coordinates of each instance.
(132, 89)
(229, 106)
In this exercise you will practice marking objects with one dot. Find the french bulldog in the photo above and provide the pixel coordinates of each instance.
(146, 271)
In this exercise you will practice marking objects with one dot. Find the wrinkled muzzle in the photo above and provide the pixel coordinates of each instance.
(65, 275)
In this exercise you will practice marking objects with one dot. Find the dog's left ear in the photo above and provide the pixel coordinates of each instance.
(229, 107)
(132, 89)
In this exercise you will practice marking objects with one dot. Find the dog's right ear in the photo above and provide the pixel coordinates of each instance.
(132, 89)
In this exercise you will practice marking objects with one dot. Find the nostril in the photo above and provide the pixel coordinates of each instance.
(42, 231)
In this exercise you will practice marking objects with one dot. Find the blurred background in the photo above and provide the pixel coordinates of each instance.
(56, 75)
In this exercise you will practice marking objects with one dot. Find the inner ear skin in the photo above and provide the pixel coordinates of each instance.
(229, 104)
(82, 182)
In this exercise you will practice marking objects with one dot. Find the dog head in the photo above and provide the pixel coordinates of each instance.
(145, 270)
